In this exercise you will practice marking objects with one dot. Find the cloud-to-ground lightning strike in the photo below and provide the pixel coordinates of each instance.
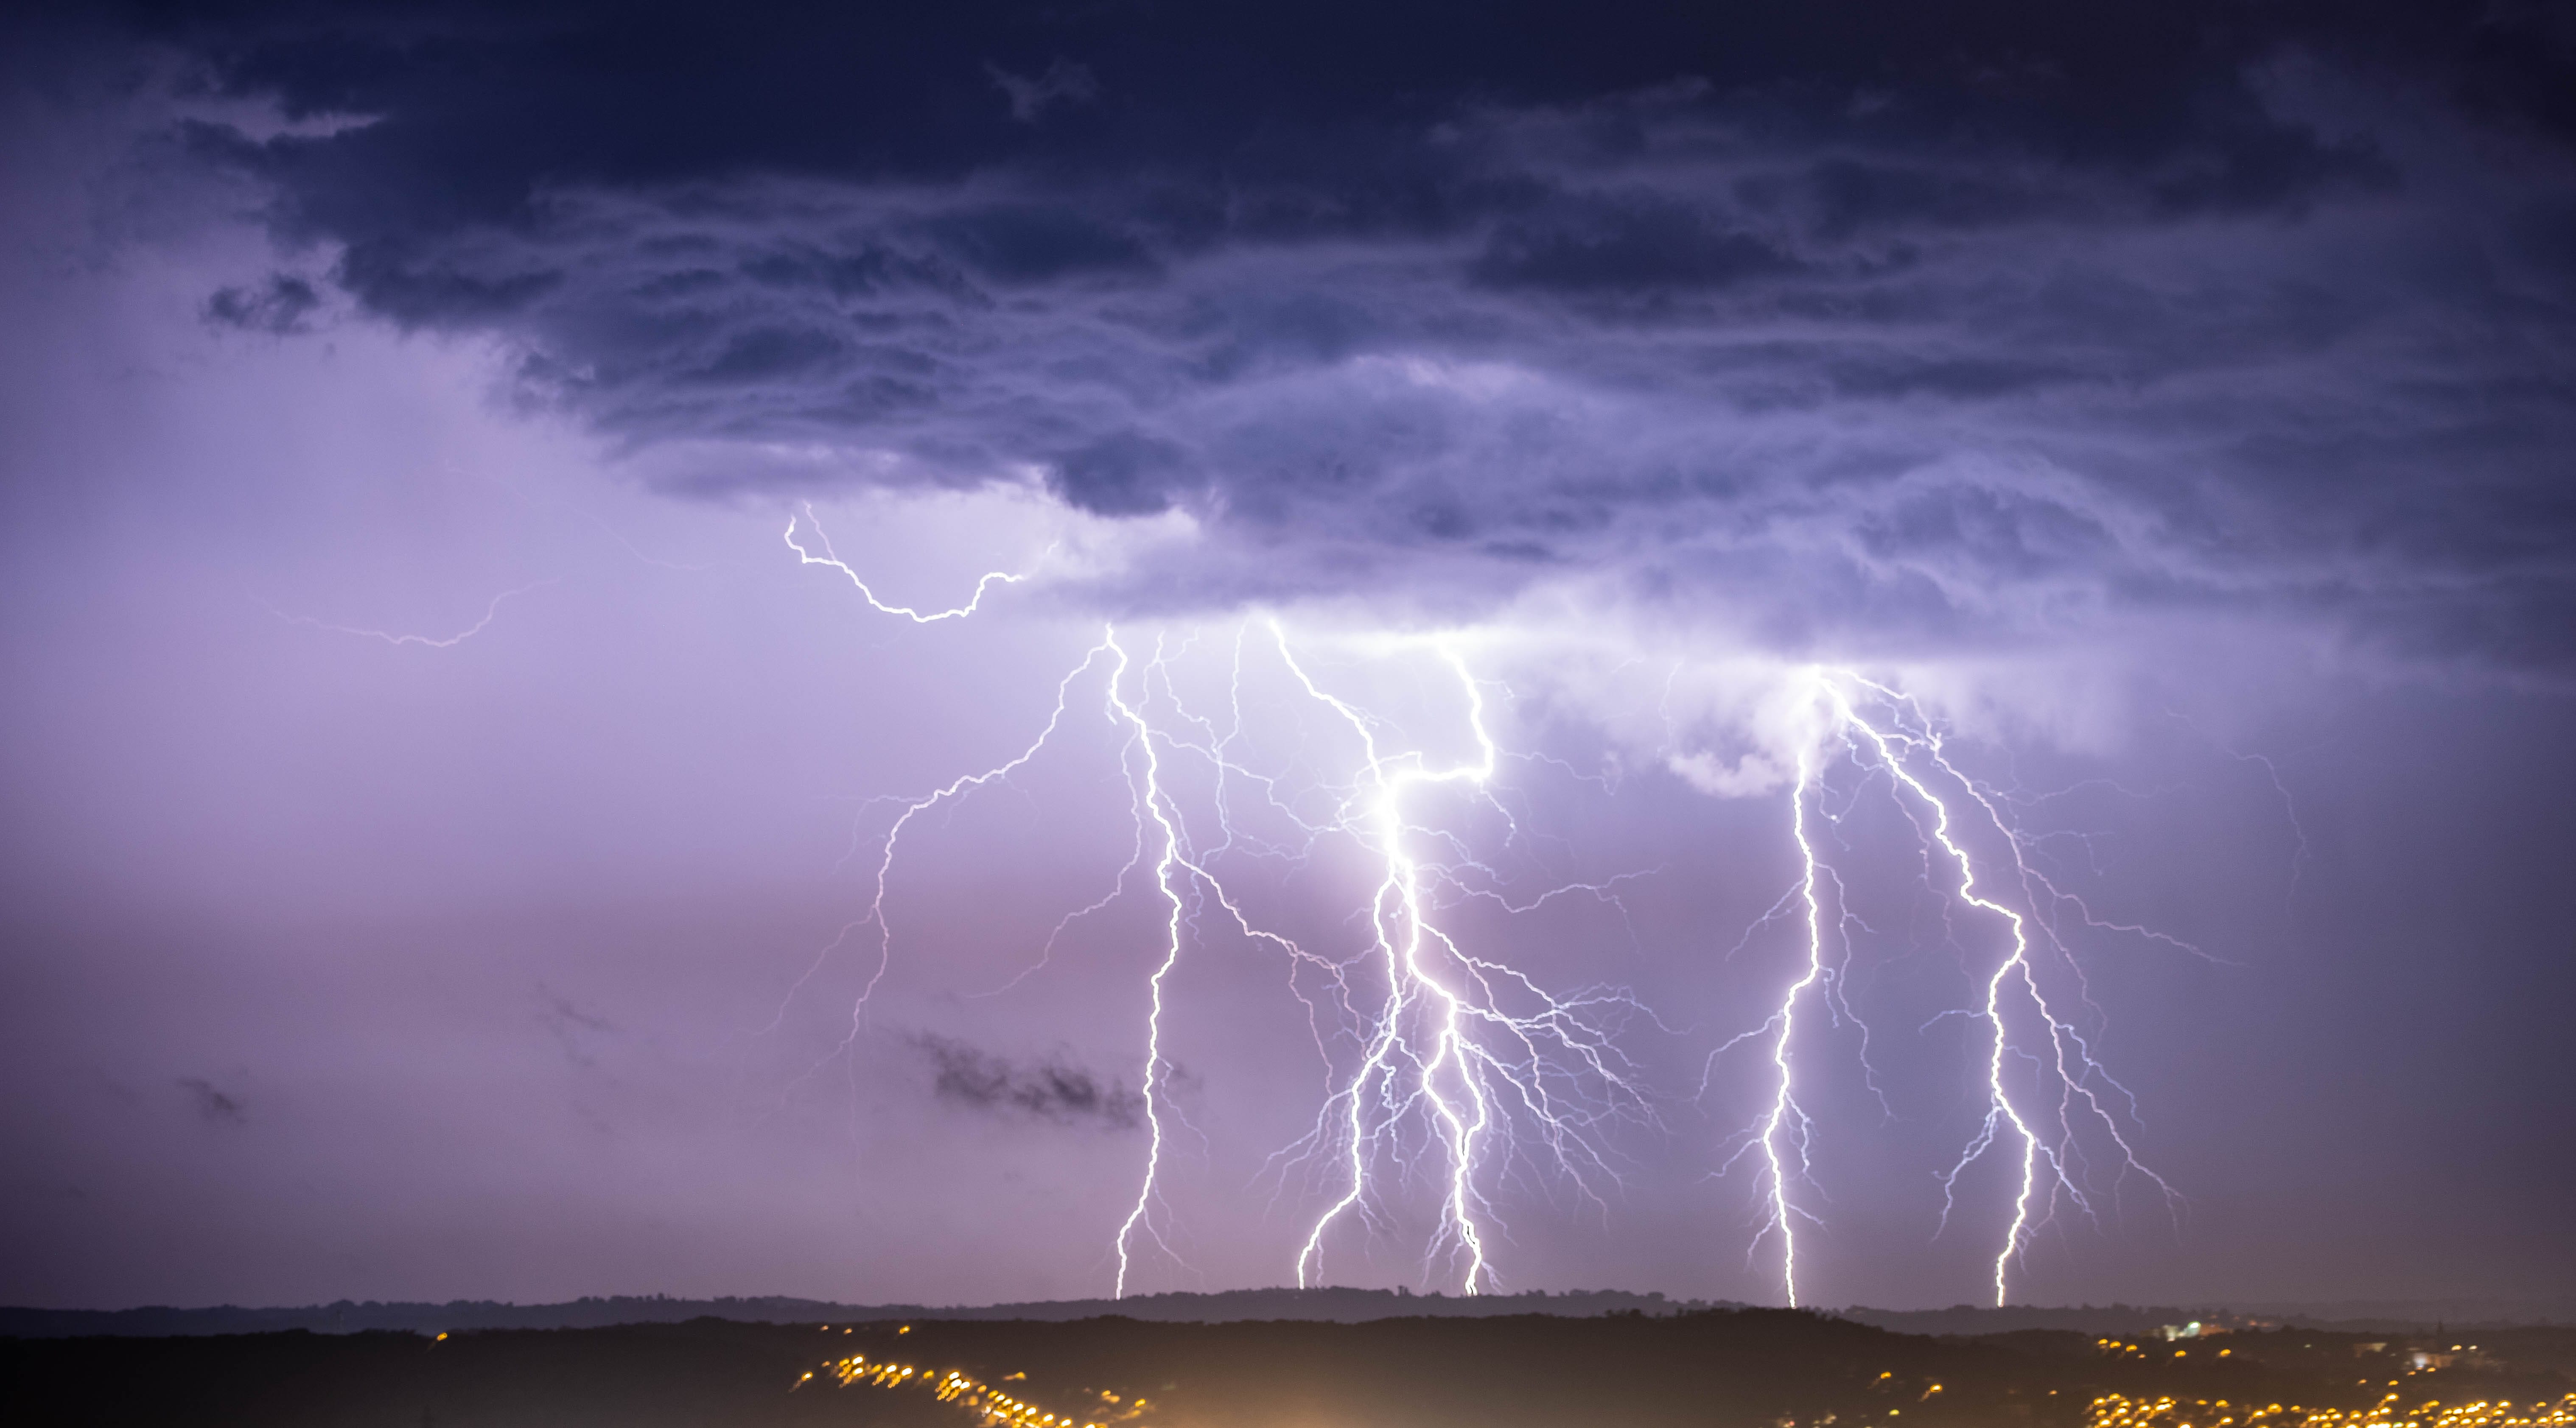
(1399, 901)
(1150, 804)
(1443, 1047)
(1786, 1116)
(1446, 1069)
(1892, 749)
(2000, 1108)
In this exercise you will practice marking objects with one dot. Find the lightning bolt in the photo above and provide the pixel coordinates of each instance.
(1884, 731)
(2001, 1113)
(1786, 1116)
(1444, 1046)
(1151, 804)
(913, 808)
(1396, 913)
(1419, 1053)
(2006, 1122)
(828, 558)
(1456, 1067)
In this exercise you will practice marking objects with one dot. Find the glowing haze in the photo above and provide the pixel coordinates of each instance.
(1858, 659)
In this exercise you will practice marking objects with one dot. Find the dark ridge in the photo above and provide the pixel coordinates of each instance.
(1346, 1306)
(1708, 1368)
(1329, 1305)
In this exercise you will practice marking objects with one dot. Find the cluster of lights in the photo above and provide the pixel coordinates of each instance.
(991, 1405)
(2117, 1411)
(2124, 1349)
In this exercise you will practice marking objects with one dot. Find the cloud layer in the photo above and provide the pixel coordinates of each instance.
(1988, 349)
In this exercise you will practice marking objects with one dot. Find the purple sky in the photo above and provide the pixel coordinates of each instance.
(2180, 413)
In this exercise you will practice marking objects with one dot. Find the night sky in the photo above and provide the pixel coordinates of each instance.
(447, 828)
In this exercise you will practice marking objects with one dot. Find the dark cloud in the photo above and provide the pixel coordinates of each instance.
(217, 1106)
(1121, 474)
(1034, 243)
(1053, 1089)
(1624, 242)
(416, 286)
(279, 305)
(1998, 320)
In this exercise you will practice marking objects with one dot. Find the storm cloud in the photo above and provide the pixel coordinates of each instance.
(2172, 403)
(2050, 327)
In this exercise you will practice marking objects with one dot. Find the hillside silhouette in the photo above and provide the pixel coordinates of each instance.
(1335, 1305)
(1723, 1368)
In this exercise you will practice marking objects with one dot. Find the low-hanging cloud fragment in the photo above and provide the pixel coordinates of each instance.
(579, 1033)
(214, 1104)
(279, 305)
(1051, 1089)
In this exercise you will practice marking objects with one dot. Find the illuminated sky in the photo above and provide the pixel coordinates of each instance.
(443, 816)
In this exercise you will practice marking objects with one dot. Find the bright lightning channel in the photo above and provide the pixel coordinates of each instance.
(1152, 804)
(2047, 1165)
(829, 558)
(1785, 1109)
(1402, 946)
(2000, 1109)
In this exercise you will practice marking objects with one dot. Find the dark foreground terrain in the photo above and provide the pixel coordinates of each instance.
(1756, 1368)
